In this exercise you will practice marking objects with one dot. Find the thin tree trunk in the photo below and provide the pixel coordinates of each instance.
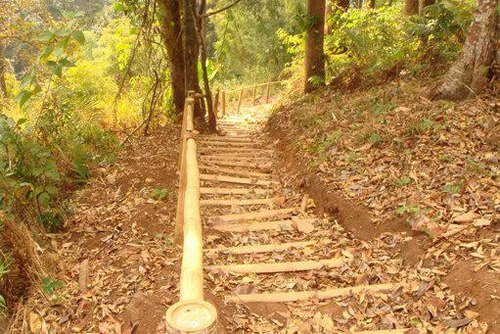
(3, 70)
(212, 121)
(371, 4)
(411, 7)
(172, 37)
(315, 58)
(471, 73)
(191, 49)
(328, 12)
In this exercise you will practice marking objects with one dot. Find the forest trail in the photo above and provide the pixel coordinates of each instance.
(272, 265)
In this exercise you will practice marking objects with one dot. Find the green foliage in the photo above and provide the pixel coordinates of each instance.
(162, 194)
(404, 181)
(452, 188)
(50, 286)
(411, 209)
(422, 126)
(5, 261)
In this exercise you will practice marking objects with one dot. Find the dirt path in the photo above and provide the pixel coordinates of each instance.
(272, 265)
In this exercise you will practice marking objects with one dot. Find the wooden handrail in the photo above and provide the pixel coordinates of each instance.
(191, 314)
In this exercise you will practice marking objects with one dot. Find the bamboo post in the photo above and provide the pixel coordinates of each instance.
(268, 88)
(223, 103)
(187, 117)
(254, 94)
(216, 104)
(239, 101)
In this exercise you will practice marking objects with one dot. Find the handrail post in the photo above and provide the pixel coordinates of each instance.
(254, 94)
(239, 101)
(268, 88)
(223, 103)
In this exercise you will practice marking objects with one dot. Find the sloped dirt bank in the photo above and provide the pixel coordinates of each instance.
(119, 268)
(388, 161)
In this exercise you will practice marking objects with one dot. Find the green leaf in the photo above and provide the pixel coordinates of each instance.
(27, 80)
(44, 200)
(58, 52)
(67, 14)
(63, 32)
(49, 286)
(78, 36)
(64, 62)
(23, 96)
(47, 51)
(55, 68)
(119, 7)
(46, 36)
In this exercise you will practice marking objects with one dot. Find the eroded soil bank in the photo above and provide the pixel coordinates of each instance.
(389, 161)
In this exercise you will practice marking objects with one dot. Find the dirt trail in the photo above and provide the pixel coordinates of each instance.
(273, 265)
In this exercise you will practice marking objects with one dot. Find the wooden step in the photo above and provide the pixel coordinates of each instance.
(234, 191)
(234, 149)
(236, 202)
(266, 268)
(229, 139)
(282, 297)
(235, 179)
(231, 158)
(261, 226)
(262, 166)
(234, 171)
(252, 215)
(214, 143)
(252, 249)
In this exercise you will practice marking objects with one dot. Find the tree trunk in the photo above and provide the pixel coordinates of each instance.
(371, 4)
(343, 4)
(3, 70)
(315, 58)
(212, 121)
(411, 7)
(471, 72)
(191, 49)
(426, 3)
(328, 12)
(172, 37)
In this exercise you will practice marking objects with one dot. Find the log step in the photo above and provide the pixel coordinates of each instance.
(223, 157)
(236, 144)
(236, 202)
(235, 149)
(279, 267)
(253, 249)
(283, 297)
(234, 179)
(261, 226)
(234, 171)
(229, 139)
(253, 215)
(234, 191)
(263, 166)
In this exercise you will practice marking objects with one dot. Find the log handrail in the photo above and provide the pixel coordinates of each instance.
(192, 314)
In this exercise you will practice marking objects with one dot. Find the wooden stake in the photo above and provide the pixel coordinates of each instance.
(239, 101)
(265, 268)
(254, 95)
(260, 248)
(223, 104)
(268, 88)
(282, 297)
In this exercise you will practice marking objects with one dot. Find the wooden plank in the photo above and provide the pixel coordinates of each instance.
(235, 179)
(234, 171)
(282, 297)
(235, 202)
(253, 249)
(230, 144)
(235, 149)
(279, 267)
(249, 159)
(234, 191)
(261, 226)
(253, 215)
(263, 166)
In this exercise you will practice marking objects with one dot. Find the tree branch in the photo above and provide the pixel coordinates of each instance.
(220, 10)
